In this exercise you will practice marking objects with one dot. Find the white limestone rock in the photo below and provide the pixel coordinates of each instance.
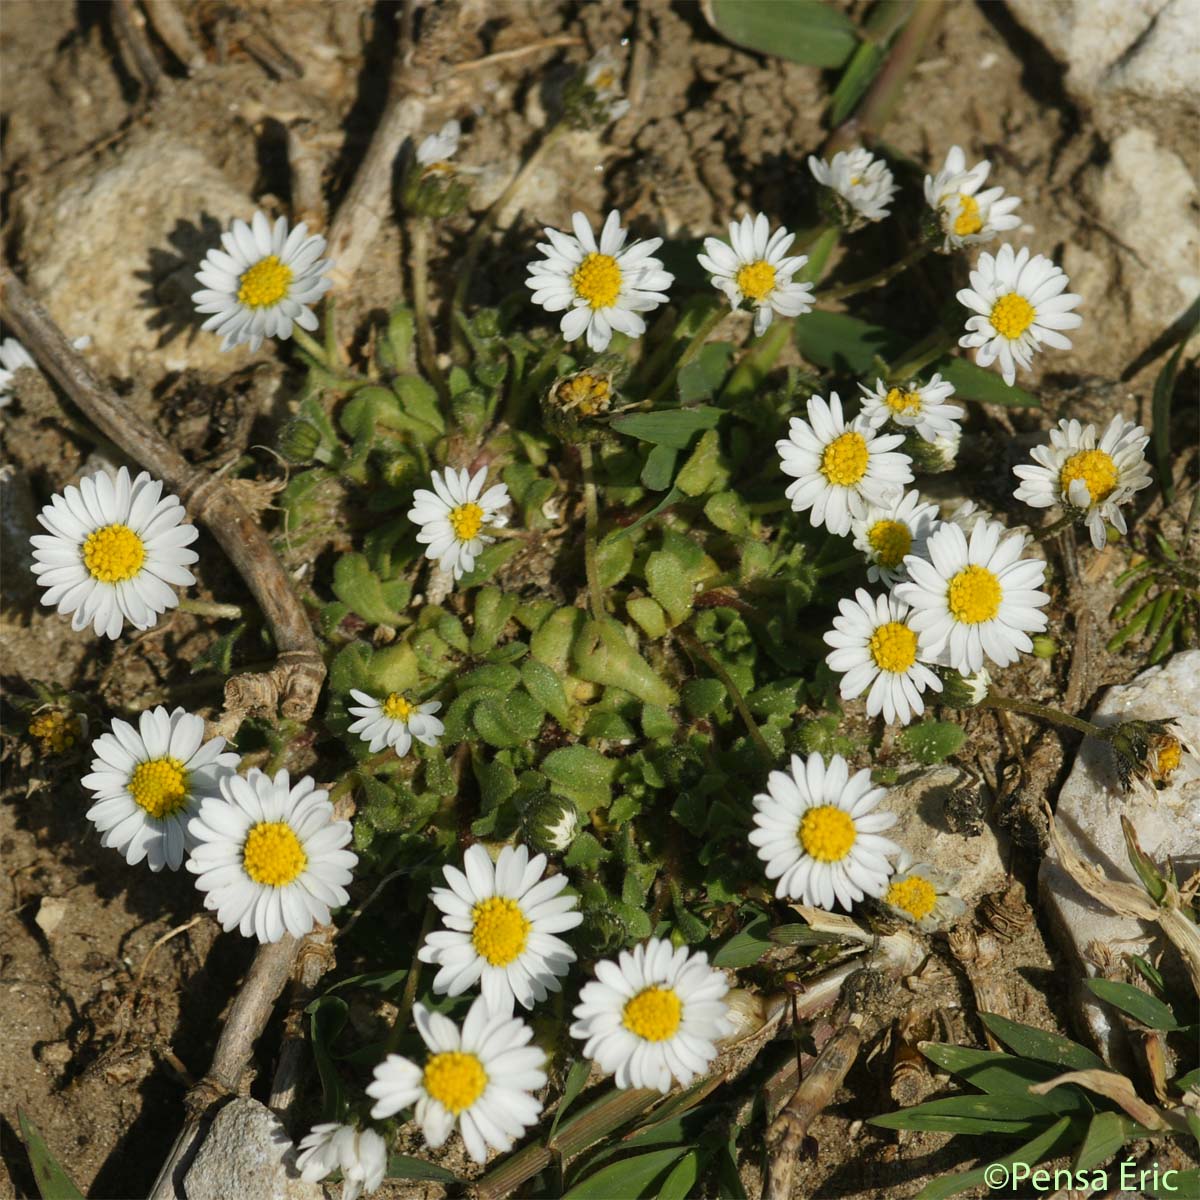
(1089, 812)
(247, 1153)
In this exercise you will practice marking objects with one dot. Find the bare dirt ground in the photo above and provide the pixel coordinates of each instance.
(104, 1023)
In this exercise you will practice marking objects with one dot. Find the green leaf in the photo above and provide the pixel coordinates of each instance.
(401, 1166)
(701, 697)
(52, 1181)
(355, 583)
(1105, 1136)
(673, 427)
(546, 688)
(581, 773)
(630, 1178)
(659, 468)
(802, 935)
(327, 1018)
(577, 1078)
(1180, 1184)
(744, 949)
(670, 585)
(703, 376)
(602, 654)
(672, 497)
(992, 1071)
(586, 853)
(1005, 1113)
(219, 656)
(844, 343)
(682, 1179)
(1048, 1144)
(648, 614)
(1160, 421)
(1043, 1046)
(804, 31)
(703, 466)
(1143, 1007)
(420, 401)
(492, 612)
(972, 382)
(614, 557)
(931, 741)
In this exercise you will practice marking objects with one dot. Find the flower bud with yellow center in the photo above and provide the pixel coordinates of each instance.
(756, 280)
(974, 595)
(844, 461)
(1096, 469)
(159, 787)
(894, 647)
(1011, 315)
(500, 931)
(58, 731)
(113, 554)
(914, 895)
(654, 1014)
(265, 283)
(891, 541)
(466, 520)
(597, 280)
(826, 833)
(968, 220)
(272, 854)
(455, 1079)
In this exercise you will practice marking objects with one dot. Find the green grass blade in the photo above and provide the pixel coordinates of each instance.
(402, 1166)
(629, 1179)
(1160, 420)
(577, 1078)
(1105, 1136)
(1140, 1005)
(53, 1182)
(1045, 1047)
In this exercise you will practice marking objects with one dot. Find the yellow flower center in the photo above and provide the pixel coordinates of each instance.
(914, 895)
(1095, 468)
(397, 707)
(844, 461)
(653, 1014)
(265, 283)
(455, 1079)
(159, 786)
(604, 80)
(466, 520)
(894, 647)
(968, 220)
(1012, 315)
(973, 595)
(902, 402)
(113, 554)
(590, 394)
(500, 930)
(826, 833)
(57, 731)
(756, 280)
(1165, 758)
(891, 541)
(597, 280)
(273, 854)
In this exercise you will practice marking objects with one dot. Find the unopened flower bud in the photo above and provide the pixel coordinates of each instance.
(964, 691)
(299, 440)
(550, 824)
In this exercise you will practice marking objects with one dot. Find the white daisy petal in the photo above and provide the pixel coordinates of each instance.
(454, 518)
(862, 182)
(966, 214)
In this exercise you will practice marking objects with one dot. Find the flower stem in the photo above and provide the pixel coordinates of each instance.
(426, 343)
(929, 349)
(839, 565)
(879, 278)
(690, 351)
(1032, 709)
(528, 384)
(310, 345)
(591, 526)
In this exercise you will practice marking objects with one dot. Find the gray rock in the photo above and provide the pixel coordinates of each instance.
(1089, 812)
(247, 1154)
(114, 258)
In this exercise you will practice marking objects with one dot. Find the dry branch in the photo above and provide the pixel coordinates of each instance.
(295, 680)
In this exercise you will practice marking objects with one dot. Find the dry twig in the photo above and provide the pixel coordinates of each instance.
(295, 680)
(130, 28)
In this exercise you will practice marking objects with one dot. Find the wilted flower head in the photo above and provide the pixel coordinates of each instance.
(860, 185)
(595, 98)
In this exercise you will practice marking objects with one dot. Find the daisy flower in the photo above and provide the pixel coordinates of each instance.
(13, 358)
(875, 648)
(113, 552)
(919, 406)
(360, 1154)
(438, 148)
(819, 836)
(1094, 480)
(269, 857)
(754, 266)
(966, 214)
(1019, 303)
(601, 286)
(859, 178)
(480, 1079)
(840, 468)
(887, 532)
(974, 600)
(262, 282)
(394, 721)
(455, 514)
(654, 1015)
(149, 782)
(922, 895)
(500, 926)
